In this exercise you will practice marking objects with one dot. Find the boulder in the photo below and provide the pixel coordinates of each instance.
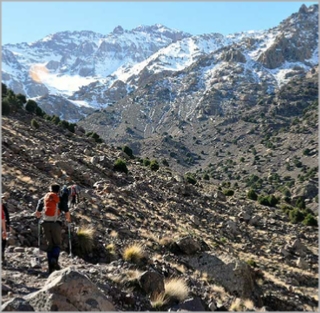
(219, 195)
(188, 245)
(231, 273)
(16, 305)
(151, 282)
(69, 290)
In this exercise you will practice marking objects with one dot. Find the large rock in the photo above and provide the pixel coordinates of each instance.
(16, 305)
(307, 191)
(151, 283)
(188, 245)
(234, 275)
(69, 290)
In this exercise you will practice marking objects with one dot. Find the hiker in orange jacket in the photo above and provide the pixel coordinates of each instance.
(52, 206)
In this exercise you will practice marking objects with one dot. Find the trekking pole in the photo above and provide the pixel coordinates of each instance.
(39, 242)
(69, 235)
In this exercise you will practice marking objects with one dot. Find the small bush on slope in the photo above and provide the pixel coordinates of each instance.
(120, 166)
(134, 253)
(176, 289)
(85, 239)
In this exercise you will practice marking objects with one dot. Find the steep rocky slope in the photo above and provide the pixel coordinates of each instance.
(270, 138)
(223, 247)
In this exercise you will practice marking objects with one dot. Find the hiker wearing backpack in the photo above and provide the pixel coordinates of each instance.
(49, 208)
(4, 235)
(4, 197)
(74, 194)
(5, 223)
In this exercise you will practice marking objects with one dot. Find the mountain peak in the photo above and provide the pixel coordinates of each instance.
(118, 30)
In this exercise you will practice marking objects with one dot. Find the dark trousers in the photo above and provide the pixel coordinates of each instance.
(74, 200)
(52, 234)
(3, 247)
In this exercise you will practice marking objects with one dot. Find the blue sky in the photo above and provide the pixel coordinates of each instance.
(30, 21)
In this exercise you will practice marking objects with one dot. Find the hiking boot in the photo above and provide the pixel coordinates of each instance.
(54, 266)
(50, 268)
(57, 267)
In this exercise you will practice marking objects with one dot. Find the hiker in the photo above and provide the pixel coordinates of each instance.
(4, 197)
(4, 235)
(64, 195)
(5, 224)
(52, 205)
(74, 193)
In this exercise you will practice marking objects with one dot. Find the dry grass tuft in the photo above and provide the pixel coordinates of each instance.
(176, 288)
(111, 248)
(240, 305)
(158, 301)
(114, 234)
(134, 253)
(85, 238)
(166, 241)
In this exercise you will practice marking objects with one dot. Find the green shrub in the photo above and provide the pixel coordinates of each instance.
(206, 176)
(31, 106)
(252, 263)
(270, 200)
(4, 90)
(21, 98)
(95, 136)
(310, 220)
(306, 151)
(64, 124)
(286, 209)
(55, 119)
(154, 166)
(228, 192)
(287, 199)
(190, 178)
(273, 201)
(263, 200)
(300, 203)
(165, 162)
(39, 112)
(252, 194)
(120, 166)
(128, 151)
(146, 162)
(34, 124)
(5, 108)
(72, 127)
(296, 216)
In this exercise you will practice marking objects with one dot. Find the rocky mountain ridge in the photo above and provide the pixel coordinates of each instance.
(96, 71)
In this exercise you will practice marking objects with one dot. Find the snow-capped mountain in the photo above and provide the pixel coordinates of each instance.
(195, 75)
(60, 64)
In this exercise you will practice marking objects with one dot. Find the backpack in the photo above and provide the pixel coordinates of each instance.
(51, 209)
(65, 192)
